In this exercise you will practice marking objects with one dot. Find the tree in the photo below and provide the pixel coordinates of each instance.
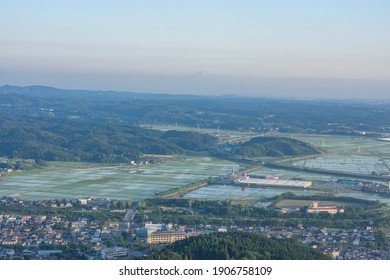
(110, 242)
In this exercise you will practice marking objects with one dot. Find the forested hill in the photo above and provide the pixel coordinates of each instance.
(190, 140)
(276, 147)
(226, 112)
(237, 246)
(75, 140)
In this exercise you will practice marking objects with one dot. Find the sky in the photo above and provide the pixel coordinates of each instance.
(275, 48)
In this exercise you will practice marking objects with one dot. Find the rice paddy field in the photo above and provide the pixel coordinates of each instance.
(352, 163)
(349, 154)
(75, 180)
(224, 192)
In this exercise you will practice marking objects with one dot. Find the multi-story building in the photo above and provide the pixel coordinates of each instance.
(113, 253)
(331, 209)
(160, 236)
(165, 236)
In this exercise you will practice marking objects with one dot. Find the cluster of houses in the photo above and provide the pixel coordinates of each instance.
(29, 236)
(355, 244)
(30, 231)
(33, 233)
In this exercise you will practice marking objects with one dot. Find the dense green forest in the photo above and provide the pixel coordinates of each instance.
(189, 140)
(236, 246)
(68, 140)
(276, 147)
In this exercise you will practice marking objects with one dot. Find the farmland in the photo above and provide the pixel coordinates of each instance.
(236, 192)
(341, 153)
(302, 203)
(349, 154)
(77, 179)
(222, 192)
(74, 180)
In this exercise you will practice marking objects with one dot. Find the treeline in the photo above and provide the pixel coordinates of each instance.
(372, 204)
(66, 140)
(180, 191)
(22, 164)
(120, 204)
(236, 246)
(275, 147)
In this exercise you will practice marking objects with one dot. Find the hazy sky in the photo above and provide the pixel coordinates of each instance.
(297, 48)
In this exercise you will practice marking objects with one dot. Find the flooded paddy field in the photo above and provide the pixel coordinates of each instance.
(358, 164)
(348, 154)
(75, 180)
(224, 192)
(347, 145)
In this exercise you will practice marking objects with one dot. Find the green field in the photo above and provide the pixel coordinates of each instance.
(302, 203)
(74, 180)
